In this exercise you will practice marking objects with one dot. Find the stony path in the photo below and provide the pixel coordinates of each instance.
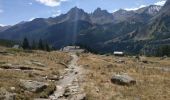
(68, 88)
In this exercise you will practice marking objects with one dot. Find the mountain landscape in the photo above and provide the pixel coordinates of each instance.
(100, 30)
(3, 28)
(101, 55)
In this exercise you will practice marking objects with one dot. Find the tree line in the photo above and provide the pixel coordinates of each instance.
(40, 45)
(156, 50)
(163, 50)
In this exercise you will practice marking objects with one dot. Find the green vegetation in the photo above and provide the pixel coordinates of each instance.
(156, 50)
(36, 46)
(25, 44)
(164, 50)
(6, 43)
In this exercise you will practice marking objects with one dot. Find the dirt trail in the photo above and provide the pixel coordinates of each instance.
(69, 81)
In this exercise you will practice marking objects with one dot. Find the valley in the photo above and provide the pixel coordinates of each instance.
(100, 30)
(77, 50)
(80, 76)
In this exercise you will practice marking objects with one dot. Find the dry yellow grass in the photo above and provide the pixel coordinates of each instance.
(152, 83)
(10, 78)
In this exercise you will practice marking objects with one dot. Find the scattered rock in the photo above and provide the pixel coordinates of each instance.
(7, 66)
(61, 77)
(97, 90)
(12, 88)
(144, 60)
(123, 80)
(67, 92)
(120, 61)
(55, 78)
(5, 95)
(70, 90)
(164, 57)
(37, 63)
(33, 86)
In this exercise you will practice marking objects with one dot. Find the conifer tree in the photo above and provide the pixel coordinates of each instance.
(34, 45)
(47, 47)
(41, 45)
(25, 44)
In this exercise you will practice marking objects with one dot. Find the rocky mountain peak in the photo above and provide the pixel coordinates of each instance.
(121, 11)
(100, 12)
(150, 10)
(76, 10)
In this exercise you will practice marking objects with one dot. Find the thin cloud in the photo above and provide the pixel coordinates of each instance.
(2, 25)
(135, 8)
(51, 3)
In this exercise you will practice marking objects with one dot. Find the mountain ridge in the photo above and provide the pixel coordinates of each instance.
(98, 29)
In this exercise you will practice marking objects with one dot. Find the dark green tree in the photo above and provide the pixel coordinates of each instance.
(163, 50)
(34, 45)
(41, 45)
(47, 47)
(25, 44)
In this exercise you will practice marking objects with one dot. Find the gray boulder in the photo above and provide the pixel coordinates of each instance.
(5, 95)
(123, 80)
(33, 86)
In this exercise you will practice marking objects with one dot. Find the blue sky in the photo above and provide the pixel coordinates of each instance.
(15, 11)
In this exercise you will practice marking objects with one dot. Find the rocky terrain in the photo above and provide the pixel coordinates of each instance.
(39, 75)
(30, 74)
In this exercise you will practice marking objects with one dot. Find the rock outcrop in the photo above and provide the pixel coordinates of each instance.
(123, 80)
(33, 86)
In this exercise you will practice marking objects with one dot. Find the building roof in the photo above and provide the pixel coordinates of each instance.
(118, 52)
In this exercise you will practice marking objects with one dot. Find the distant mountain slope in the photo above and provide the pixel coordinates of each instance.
(151, 10)
(159, 26)
(101, 17)
(3, 28)
(140, 15)
(100, 29)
